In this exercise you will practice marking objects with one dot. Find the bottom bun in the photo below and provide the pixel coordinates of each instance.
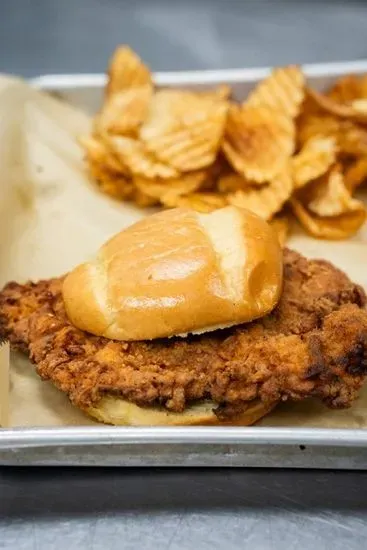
(116, 411)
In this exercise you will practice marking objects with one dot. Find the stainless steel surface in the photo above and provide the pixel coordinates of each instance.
(46, 36)
(100, 509)
(172, 509)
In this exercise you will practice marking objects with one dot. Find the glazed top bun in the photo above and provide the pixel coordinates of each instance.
(177, 272)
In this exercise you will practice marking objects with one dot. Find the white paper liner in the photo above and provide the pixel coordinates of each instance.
(4, 384)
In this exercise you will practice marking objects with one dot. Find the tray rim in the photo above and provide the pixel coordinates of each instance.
(25, 437)
(117, 435)
(198, 77)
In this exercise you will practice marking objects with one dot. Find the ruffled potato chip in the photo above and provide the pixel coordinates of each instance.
(184, 129)
(356, 174)
(118, 188)
(359, 105)
(201, 202)
(98, 154)
(340, 110)
(213, 173)
(232, 182)
(106, 169)
(314, 159)
(350, 138)
(126, 70)
(140, 162)
(317, 126)
(258, 141)
(326, 208)
(334, 228)
(165, 112)
(143, 200)
(347, 89)
(282, 91)
(330, 197)
(111, 183)
(170, 189)
(192, 148)
(223, 91)
(309, 109)
(171, 109)
(124, 111)
(281, 226)
(267, 200)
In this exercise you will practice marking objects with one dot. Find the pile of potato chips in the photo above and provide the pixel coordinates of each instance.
(286, 150)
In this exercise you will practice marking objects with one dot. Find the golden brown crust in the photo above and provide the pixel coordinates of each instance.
(177, 272)
(313, 344)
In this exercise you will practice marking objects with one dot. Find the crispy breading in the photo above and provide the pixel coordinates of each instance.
(313, 344)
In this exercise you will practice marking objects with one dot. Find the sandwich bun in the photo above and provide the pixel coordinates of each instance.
(178, 272)
(119, 412)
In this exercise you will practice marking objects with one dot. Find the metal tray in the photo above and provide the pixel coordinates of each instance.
(195, 446)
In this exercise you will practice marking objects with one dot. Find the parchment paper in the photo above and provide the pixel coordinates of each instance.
(52, 217)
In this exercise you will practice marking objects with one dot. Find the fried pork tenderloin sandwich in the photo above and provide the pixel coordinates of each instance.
(188, 319)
